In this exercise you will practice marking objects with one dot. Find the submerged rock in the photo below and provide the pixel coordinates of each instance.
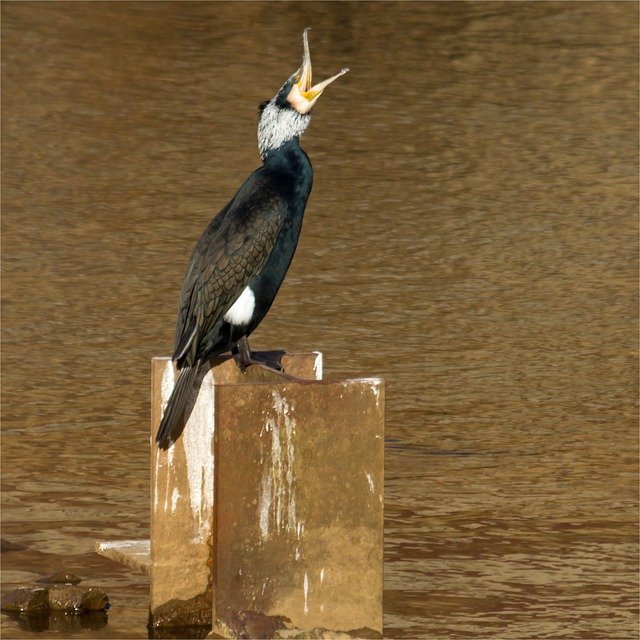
(61, 577)
(7, 545)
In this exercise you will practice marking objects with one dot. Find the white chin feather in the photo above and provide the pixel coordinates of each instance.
(278, 125)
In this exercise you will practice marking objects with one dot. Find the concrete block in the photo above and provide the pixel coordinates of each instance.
(182, 486)
(133, 553)
(299, 502)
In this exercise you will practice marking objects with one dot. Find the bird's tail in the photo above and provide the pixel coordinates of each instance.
(177, 403)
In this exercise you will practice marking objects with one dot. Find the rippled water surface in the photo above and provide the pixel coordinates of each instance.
(471, 237)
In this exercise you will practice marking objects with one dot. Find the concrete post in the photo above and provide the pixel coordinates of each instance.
(271, 500)
(299, 502)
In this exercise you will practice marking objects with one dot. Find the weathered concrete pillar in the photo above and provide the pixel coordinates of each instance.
(299, 502)
(271, 500)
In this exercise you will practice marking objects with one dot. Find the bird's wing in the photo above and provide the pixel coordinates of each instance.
(187, 327)
(233, 249)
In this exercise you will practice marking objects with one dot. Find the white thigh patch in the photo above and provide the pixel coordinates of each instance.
(241, 311)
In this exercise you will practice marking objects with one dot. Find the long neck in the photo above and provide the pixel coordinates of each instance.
(293, 171)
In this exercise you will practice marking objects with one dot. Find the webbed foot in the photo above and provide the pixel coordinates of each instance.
(244, 358)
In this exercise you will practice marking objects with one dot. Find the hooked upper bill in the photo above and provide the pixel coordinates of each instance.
(303, 95)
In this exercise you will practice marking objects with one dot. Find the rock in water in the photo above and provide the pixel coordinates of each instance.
(61, 577)
(25, 600)
(43, 600)
(94, 599)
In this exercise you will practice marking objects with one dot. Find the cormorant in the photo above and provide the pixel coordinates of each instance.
(243, 255)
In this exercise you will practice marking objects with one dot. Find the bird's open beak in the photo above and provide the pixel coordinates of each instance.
(308, 92)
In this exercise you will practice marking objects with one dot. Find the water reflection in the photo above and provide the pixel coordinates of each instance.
(471, 236)
(61, 622)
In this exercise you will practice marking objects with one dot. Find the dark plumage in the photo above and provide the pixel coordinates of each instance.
(243, 255)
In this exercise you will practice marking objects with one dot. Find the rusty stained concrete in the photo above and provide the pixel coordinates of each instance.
(299, 502)
(182, 483)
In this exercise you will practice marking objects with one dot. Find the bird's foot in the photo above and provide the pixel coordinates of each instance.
(255, 359)
(245, 358)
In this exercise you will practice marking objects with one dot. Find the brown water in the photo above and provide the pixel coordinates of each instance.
(471, 237)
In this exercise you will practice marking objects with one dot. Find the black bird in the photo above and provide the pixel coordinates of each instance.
(243, 255)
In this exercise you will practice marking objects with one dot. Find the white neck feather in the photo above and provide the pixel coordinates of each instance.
(279, 125)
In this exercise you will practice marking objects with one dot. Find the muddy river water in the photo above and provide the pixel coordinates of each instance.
(471, 237)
